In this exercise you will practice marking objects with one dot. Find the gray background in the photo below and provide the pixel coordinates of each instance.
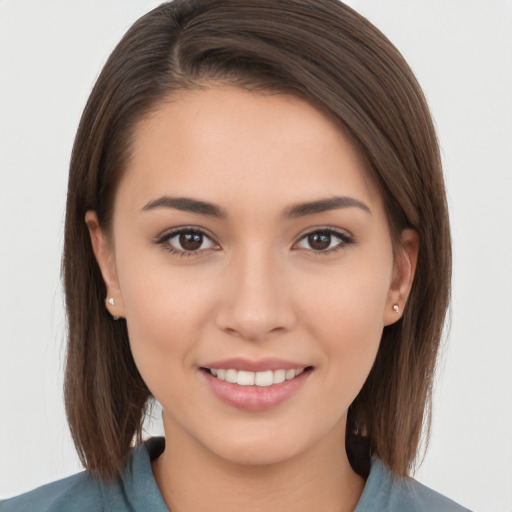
(461, 51)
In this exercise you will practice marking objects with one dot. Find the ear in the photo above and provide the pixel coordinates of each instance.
(404, 267)
(104, 253)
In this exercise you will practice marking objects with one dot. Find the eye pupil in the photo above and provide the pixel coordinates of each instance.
(191, 241)
(319, 241)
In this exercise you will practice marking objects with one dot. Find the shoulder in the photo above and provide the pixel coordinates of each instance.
(385, 492)
(81, 491)
(136, 489)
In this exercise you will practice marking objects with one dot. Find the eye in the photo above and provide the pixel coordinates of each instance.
(325, 241)
(186, 242)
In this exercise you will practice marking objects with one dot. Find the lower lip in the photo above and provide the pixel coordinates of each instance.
(254, 398)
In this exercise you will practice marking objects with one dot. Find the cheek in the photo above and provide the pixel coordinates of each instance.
(165, 312)
(346, 317)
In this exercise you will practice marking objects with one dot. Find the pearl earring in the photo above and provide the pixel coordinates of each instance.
(396, 308)
(111, 302)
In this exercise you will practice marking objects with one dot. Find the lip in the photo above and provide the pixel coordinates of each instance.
(255, 398)
(241, 364)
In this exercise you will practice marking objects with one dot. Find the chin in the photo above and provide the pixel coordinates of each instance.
(260, 454)
(263, 447)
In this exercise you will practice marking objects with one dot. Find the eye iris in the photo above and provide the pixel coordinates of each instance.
(319, 241)
(191, 241)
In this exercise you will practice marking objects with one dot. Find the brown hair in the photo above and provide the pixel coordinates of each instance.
(321, 51)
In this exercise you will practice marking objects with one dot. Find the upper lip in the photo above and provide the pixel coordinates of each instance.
(241, 364)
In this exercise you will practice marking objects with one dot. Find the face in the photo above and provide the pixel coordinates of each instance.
(252, 260)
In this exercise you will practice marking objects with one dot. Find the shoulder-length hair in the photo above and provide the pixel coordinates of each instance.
(325, 53)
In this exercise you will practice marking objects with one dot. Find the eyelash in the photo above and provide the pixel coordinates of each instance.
(344, 240)
(163, 240)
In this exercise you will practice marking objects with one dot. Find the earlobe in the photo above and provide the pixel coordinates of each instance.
(404, 269)
(104, 253)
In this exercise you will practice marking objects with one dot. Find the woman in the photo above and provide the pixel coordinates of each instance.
(256, 198)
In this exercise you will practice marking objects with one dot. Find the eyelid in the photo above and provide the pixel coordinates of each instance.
(343, 235)
(168, 234)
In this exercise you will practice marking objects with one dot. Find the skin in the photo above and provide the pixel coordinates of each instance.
(256, 288)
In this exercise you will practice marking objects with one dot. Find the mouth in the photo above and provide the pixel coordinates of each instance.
(265, 378)
(255, 385)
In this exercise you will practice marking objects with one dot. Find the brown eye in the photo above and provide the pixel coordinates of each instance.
(190, 241)
(324, 241)
(319, 241)
(187, 242)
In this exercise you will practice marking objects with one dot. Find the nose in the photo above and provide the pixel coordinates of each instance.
(255, 301)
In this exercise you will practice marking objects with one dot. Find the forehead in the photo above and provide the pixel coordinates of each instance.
(225, 142)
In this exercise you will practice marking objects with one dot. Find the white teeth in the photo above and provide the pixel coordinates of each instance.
(262, 379)
(231, 376)
(245, 378)
(290, 374)
(279, 376)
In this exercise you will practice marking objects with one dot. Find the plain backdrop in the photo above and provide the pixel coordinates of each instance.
(461, 50)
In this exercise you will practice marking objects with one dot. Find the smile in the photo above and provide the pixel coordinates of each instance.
(263, 378)
(256, 387)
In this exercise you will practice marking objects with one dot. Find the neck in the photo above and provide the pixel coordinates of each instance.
(192, 479)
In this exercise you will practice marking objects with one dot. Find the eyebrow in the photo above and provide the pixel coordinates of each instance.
(188, 204)
(324, 205)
